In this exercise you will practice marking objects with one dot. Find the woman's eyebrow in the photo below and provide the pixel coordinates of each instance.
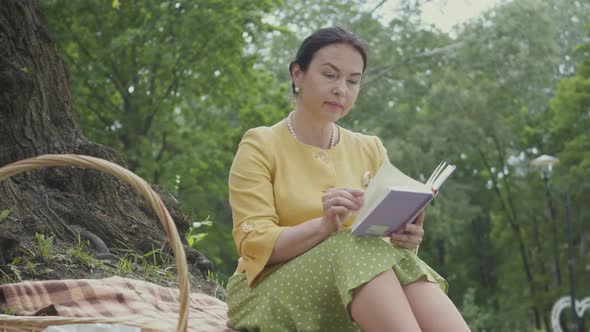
(338, 70)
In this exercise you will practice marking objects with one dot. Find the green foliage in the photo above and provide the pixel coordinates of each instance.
(4, 214)
(159, 81)
(172, 86)
(24, 267)
(125, 266)
(4, 310)
(569, 122)
(156, 264)
(214, 277)
(14, 277)
(195, 234)
(82, 256)
(45, 245)
(479, 317)
(29, 267)
(156, 257)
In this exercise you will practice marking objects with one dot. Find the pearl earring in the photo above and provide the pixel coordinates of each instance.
(296, 89)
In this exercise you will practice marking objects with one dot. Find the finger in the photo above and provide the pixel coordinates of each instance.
(419, 220)
(407, 235)
(336, 211)
(414, 229)
(342, 201)
(400, 230)
(406, 238)
(335, 215)
(342, 193)
(407, 242)
(353, 191)
(338, 223)
(354, 204)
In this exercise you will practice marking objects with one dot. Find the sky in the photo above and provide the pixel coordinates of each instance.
(444, 13)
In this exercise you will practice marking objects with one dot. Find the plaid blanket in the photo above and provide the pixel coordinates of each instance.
(137, 301)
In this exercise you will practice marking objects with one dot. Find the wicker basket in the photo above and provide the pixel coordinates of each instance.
(38, 323)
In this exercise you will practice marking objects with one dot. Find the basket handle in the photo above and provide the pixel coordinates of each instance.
(51, 160)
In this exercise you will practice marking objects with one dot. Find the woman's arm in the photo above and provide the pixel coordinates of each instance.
(338, 204)
(296, 240)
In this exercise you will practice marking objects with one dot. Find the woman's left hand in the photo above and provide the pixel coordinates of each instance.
(410, 235)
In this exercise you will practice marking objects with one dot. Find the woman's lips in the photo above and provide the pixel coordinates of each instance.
(334, 104)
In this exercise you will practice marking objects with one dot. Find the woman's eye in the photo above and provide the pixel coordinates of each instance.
(329, 75)
(353, 82)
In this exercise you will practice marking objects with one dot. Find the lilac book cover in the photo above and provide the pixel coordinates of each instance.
(393, 199)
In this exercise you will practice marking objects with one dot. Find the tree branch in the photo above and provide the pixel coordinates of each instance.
(410, 60)
(84, 50)
(173, 85)
(158, 172)
(513, 224)
(377, 7)
(96, 112)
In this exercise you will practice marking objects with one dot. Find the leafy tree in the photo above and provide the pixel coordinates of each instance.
(570, 121)
(569, 139)
(495, 81)
(173, 85)
(66, 202)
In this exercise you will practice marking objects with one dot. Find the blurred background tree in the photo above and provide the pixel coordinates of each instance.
(174, 84)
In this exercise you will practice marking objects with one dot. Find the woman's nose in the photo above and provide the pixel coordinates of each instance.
(339, 87)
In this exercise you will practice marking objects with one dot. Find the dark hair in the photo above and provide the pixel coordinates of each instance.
(322, 38)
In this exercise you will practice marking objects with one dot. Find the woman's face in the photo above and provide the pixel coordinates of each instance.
(331, 84)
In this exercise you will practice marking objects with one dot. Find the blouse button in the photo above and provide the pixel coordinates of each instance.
(321, 156)
(247, 227)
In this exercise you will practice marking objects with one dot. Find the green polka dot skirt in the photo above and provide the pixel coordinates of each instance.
(312, 292)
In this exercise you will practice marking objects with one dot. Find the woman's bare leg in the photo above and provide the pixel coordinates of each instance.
(381, 305)
(433, 309)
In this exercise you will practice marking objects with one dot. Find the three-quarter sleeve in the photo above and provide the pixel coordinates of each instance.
(251, 196)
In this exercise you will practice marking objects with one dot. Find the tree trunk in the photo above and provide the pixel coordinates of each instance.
(36, 118)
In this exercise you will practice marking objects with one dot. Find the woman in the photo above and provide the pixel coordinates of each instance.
(294, 188)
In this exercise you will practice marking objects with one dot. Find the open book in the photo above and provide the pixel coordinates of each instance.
(393, 199)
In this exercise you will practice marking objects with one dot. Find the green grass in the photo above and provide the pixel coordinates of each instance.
(156, 263)
(10, 279)
(212, 276)
(82, 256)
(45, 245)
(7, 311)
(4, 214)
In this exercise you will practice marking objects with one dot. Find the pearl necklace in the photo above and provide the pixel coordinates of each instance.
(292, 131)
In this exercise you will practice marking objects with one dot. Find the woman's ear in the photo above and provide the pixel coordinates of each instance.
(296, 74)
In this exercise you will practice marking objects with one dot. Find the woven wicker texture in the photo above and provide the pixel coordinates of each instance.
(38, 323)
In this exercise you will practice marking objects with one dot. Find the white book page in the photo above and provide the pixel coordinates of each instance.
(387, 176)
(443, 176)
(433, 175)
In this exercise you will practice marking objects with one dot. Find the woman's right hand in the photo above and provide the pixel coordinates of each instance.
(338, 205)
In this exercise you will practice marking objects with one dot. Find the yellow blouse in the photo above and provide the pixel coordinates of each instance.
(276, 182)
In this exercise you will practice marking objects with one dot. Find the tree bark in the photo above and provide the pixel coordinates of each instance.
(36, 118)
